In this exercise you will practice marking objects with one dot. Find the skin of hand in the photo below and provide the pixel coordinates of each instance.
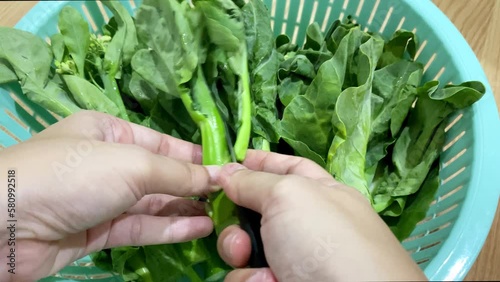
(92, 181)
(313, 227)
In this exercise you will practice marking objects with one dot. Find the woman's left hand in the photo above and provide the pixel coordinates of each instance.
(93, 181)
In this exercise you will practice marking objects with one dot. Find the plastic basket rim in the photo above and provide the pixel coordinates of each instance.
(467, 232)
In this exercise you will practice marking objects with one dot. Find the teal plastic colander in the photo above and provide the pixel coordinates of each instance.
(446, 243)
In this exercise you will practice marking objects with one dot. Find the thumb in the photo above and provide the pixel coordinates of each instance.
(251, 274)
(248, 188)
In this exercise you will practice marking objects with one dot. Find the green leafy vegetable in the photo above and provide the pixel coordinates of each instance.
(76, 36)
(30, 58)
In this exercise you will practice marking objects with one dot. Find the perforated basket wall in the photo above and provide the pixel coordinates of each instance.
(447, 241)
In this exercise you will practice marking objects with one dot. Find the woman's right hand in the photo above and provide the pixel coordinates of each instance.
(313, 227)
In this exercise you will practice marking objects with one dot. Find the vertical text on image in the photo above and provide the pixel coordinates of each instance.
(11, 220)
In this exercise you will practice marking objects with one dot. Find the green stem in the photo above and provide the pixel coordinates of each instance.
(204, 112)
(140, 269)
(111, 89)
(193, 276)
(245, 115)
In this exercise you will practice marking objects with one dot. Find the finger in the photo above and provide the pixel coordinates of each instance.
(142, 230)
(248, 188)
(284, 164)
(147, 173)
(98, 126)
(234, 246)
(167, 205)
(251, 275)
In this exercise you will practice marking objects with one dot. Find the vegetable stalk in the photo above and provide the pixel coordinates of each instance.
(245, 113)
(111, 89)
(140, 269)
(204, 112)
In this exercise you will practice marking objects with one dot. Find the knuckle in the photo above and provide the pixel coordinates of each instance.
(83, 114)
(138, 174)
(156, 205)
(193, 175)
(168, 233)
(82, 117)
(135, 230)
(288, 182)
(289, 190)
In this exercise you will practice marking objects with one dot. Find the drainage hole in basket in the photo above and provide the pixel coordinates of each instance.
(374, 11)
(56, 116)
(287, 10)
(314, 11)
(439, 74)
(423, 261)
(454, 158)
(327, 17)
(273, 8)
(455, 120)
(445, 211)
(455, 140)
(442, 227)
(41, 121)
(360, 7)
(75, 276)
(101, 276)
(299, 14)
(283, 28)
(295, 33)
(430, 246)
(89, 17)
(346, 3)
(401, 22)
(4, 129)
(415, 237)
(429, 63)
(420, 49)
(412, 251)
(86, 264)
(447, 195)
(103, 11)
(16, 119)
(423, 234)
(20, 103)
(427, 219)
(132, 4)
(386, 20)
(453, 175)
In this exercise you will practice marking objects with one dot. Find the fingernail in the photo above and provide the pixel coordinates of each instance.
(215, 188)
(259, 276)
(232, 168)
(213, 172)
(228, 244)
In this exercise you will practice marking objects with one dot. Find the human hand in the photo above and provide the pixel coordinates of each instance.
(93, 181)
(313, 227)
